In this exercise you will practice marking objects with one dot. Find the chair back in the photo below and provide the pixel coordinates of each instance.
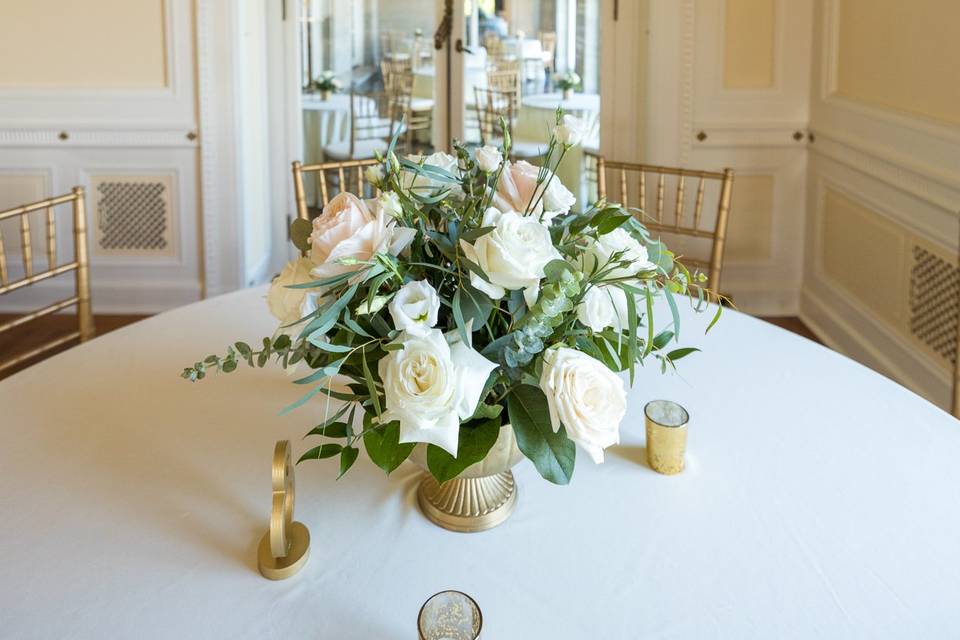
(331, 178)
(491, 105)
(505, 80)
(632, 179)
(373, 116)
(79, 265)
(548, 42)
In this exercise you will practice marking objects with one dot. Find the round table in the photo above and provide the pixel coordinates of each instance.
(327, 121)
(819, 501)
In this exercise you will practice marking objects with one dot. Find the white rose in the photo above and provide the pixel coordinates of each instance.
(603, 306)
(512, 256)
(557, 200)
(389, 201)
(289, 305)
(571, 130)
(374, 174)
(381, 234)
(423, 184)
(489, 159)
(429, 386)
(618, 243)
(415, 307)
(585, 397)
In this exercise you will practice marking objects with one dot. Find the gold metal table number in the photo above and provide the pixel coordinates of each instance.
(285, 547)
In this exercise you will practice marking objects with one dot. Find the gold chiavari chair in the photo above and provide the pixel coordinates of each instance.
(79, 265)
(492, 105)
(416, 114)
(330, 178)
(506, 80)
(374, 118)
(627, 173)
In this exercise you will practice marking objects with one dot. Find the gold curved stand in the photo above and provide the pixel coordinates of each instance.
(468, 505)
(285, 547)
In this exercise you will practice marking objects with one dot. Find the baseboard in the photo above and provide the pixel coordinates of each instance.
(874, 346)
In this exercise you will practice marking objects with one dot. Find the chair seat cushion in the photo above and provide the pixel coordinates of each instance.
(421, 104)
(362, 150)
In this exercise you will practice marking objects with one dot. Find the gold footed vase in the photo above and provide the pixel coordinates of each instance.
(481, 497)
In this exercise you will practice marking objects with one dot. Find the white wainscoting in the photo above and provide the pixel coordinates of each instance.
(145, 141)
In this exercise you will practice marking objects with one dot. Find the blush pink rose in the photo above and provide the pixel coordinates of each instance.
(341, 219)
(515, 190)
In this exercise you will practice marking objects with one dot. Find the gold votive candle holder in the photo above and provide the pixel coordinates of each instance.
(666, 436)
(449, 615)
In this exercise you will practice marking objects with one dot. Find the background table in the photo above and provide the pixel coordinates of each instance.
(538, 114)
(820, 500)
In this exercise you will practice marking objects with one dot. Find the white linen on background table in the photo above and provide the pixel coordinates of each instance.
(819, 501)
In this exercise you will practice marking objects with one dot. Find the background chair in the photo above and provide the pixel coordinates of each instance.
(492, 105)
(415, 114)
(79, 265)
(330, 178)
(631, 179)
(374, 118)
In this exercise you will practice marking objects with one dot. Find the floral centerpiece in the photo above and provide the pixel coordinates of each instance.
(469, 313)
(568, 81)
(324, 84)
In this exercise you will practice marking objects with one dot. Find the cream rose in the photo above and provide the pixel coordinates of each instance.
(571, 130)
(625, 247)
(603, 306)
(349, 239)
(415, 307)
(512, 256)
(518, 189)
(423, 184)
(585, 397)
(429, 386)
(489, 158)
(289, 305)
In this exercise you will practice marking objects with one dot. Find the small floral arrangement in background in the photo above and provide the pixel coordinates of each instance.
(567, 80)
(326, 82)
(468, 296)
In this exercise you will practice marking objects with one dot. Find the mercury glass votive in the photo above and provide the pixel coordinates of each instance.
(449, 615)
(666, 436)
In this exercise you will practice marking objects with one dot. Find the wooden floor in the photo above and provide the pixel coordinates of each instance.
(43, 330)
(22, 339)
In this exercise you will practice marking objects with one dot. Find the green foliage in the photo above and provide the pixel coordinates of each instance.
(552, 453)
(475, 441)
(351, 329)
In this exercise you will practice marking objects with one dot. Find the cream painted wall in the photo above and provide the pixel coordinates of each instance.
(749, 44)
(884, 187)
(94, 43)
(901, 55)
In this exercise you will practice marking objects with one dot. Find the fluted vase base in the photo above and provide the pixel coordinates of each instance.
(468, 504)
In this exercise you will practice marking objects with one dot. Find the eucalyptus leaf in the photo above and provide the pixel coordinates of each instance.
(300, 231)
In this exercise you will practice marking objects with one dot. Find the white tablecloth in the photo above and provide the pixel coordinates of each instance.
(820, 500)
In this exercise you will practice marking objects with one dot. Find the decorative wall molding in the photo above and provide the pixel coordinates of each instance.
(171, 107)
(932, 184)
(688, 43)
(751, 134)
(83, 137)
